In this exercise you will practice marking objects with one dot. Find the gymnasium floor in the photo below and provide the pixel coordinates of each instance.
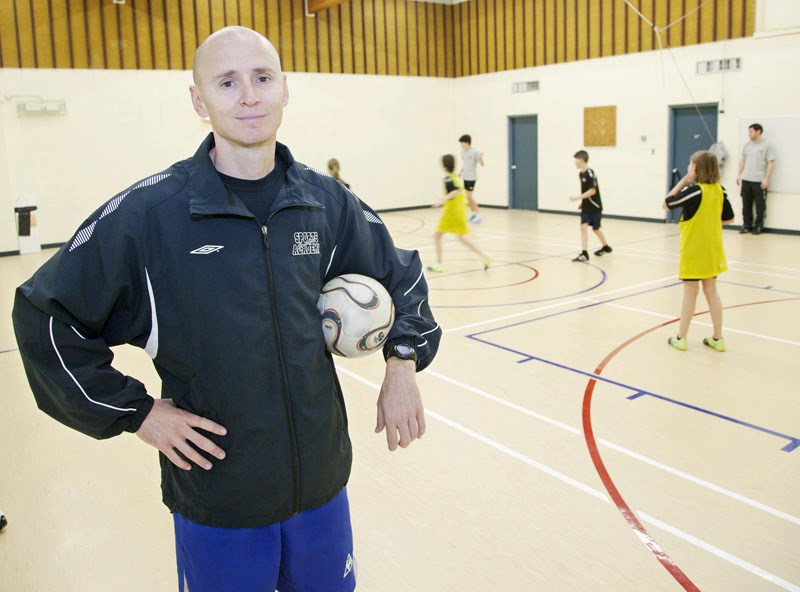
(568, 447)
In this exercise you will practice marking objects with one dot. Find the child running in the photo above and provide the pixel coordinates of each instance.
(702, 256)
(454, 216)
(591, 207)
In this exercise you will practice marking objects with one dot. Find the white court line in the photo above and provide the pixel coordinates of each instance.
(450, 241)
(519, 456)
(782, 268)
(620, 449)
(702, 324)
(770, 577)
(593, 492)
(766, 273)
(548, 241)
(559, 304)
(667, 259)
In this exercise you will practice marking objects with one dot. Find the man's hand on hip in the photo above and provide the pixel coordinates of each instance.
(173, 430)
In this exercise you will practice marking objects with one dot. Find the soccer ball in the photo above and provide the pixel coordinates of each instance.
(357, 314)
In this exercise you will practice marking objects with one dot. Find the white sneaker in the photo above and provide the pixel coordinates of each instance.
(475, 218)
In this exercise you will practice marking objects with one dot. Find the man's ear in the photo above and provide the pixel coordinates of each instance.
(285, 91)
(197, 102)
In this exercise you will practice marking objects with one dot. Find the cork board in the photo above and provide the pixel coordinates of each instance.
(600, 126)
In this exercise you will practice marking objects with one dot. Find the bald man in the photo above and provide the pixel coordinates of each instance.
(213, 266)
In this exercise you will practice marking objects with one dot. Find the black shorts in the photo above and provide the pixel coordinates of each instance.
(591, 218)
(469, 185)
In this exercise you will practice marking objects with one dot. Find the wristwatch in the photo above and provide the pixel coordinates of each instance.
(402, 351)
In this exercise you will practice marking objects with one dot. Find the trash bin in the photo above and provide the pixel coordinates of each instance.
(27, 230)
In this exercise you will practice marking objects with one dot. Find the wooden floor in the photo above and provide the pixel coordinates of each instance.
(568, 447)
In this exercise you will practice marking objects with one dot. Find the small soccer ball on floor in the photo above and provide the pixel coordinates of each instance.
(357, 314)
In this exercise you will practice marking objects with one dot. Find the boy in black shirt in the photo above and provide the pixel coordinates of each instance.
(591, 207)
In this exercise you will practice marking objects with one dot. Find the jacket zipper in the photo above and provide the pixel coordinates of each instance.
(287, 396)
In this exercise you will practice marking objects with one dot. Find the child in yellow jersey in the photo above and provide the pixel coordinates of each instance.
(705, 210)
(454, 216)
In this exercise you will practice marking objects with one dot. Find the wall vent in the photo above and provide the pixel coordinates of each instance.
(529, 86)
(717, 66)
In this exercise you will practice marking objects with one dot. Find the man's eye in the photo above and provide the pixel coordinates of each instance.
(263, 78)
(226, 83)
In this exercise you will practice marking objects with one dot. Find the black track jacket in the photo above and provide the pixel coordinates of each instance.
(227, 311)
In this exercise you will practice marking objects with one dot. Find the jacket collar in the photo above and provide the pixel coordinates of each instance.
(209, 197)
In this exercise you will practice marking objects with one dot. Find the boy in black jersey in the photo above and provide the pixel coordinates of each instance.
(591, 207)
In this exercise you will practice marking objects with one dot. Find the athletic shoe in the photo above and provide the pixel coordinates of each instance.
(487, 261)
(744, 230)
(678, 343)
(436, 268)
(757, 230)
(3, 522)
(717, 344)
(582, 257)
(602, 251)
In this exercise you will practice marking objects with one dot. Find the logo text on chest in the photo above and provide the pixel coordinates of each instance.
(305, 243)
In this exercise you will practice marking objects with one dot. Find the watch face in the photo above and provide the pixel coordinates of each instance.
(404, 350)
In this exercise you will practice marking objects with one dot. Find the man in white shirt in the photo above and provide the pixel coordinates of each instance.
(755, 169)
(470, 158)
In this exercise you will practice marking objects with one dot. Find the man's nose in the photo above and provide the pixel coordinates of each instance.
(249, 96)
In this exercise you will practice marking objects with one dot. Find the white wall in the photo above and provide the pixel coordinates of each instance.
(120, 126)
(633, 174)
(389, 132)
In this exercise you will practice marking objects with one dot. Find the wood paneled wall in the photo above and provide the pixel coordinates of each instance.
(494, 35)
(391, 37)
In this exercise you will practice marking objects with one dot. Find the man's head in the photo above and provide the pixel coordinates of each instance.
(465, 141)
(239, 86)
(755, 131)
(448, 162)
(581, 159)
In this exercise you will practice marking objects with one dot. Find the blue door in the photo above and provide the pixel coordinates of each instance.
(691, 129)
(524, 162)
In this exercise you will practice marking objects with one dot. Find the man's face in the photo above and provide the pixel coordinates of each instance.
(464, 145)
(753, 133)
(579, 163)
(239, 86)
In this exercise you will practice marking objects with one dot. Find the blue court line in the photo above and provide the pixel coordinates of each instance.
(794, 442)
(770, 289)
(791, 446)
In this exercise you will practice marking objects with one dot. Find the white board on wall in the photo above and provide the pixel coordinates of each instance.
(783, 133)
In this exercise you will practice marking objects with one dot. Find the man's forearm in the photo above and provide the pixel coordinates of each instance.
(770, 166)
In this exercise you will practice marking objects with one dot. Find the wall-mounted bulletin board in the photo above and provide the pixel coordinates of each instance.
(600, 126)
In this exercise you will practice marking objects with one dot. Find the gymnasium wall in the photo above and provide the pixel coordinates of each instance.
(390, 37)
(120, 126)
(389, 131)
(633, 174)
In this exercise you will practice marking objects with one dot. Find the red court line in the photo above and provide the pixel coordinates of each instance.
(608, 482)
